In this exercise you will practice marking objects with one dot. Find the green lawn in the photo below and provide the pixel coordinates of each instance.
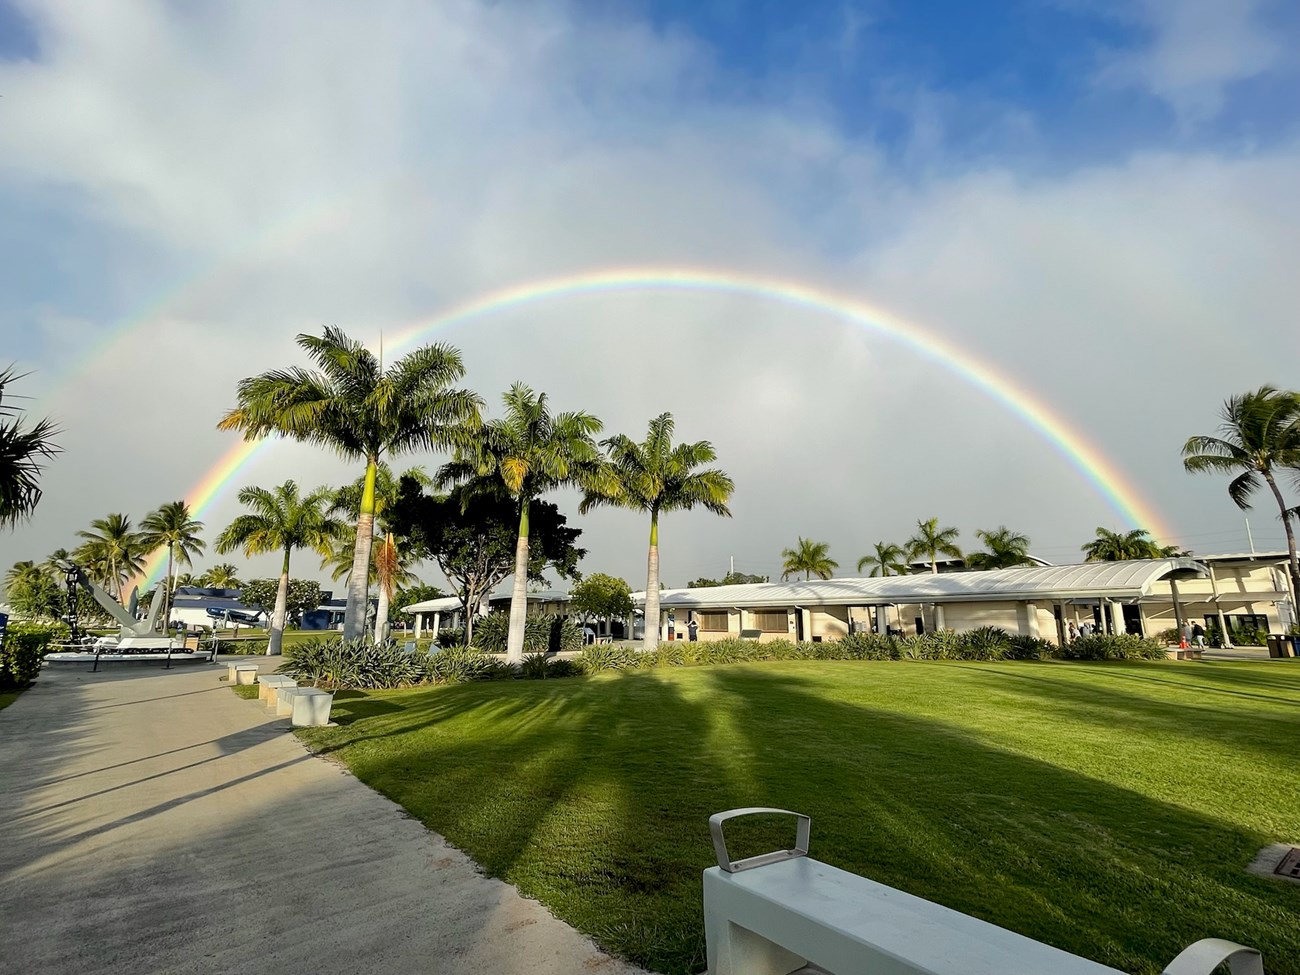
(1108, 809)
(8, 697)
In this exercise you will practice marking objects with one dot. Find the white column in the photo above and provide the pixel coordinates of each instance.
(1218, 608)
(1031, 619)
(805, 621)
(938, 617)
(419, 619)
(1117, 616)
(882, 619)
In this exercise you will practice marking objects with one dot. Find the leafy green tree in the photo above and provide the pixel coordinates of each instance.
(887, 559)
(281, 520)
(261, 594)
(472, 534)
(303, 596)
(416, 592)
(528, 452)
(1259, 436)
(172, 526)
(655, 476)
(353, 405)
(1111, 546)
(1005, 550)
(730, 579)
(31, 592)
(932, 541)
(24, 451)
(112, 553)
(809, 557)
(603, 596)
(220, 576)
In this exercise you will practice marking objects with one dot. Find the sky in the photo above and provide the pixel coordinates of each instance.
(1097, 200)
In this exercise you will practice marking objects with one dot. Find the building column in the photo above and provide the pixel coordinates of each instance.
(805, 623)
(882, 619)
(938, 616)
(419, 618)
(1178, 607)
(663, 626)
(1117, 617)
(1031, 620)
(1218, 608)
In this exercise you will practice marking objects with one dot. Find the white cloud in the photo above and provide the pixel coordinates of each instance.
(1197, 50)
(325, 164)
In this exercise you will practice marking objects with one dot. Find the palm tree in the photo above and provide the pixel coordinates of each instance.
(112, 553)
(389, 562)
(809, 557)
(23, 574)
(23, 453)
(886, 559)
(282, 519)
(221, 576)
(932, 541)
(1260, 433)
(355, 406)
(1111, 546)
(656, 477)
(529, 452)
(171, 525)
(1006, 549)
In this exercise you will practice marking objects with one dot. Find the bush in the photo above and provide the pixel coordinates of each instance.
(542, 634)
(456, 665)
(451, 637)
(538, 666)
(1122, 646)
(1030, 648)
(985, 643)
(334, 663)
(607, 656)
(869, 646)
(26, 645)
(1170, 637)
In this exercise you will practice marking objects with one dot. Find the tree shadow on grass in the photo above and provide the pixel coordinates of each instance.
(593, 795)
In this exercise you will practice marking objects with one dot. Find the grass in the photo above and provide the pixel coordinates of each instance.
(1108, 809)
(8, 697)
(248, 692)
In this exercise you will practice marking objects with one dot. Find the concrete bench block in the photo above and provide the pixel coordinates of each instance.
(270, 684)
(284, 699)
(246, 674)
(311, 708)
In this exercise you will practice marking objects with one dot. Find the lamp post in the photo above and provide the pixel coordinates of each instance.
(71, 578)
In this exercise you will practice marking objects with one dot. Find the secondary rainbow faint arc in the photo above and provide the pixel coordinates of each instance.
(1109, 482)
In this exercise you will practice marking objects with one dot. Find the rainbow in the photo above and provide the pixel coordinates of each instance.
(1109, 482)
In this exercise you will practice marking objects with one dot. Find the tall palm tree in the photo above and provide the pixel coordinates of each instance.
(24, 451)
(223, 575)
(111, 553)
(171, 525)
(1006, 549)
(355, 406)
(282, 519)
(390, 560)
(887, 559)
(809, 557)
(656, 477)
(1111, 546)
(390, 568)
(1260, 433)
(932, 541)
(529, 452)
(23, 574)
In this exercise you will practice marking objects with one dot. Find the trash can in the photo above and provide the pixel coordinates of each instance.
(1282, 645)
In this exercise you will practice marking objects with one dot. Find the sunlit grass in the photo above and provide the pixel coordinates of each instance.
(1107, 809)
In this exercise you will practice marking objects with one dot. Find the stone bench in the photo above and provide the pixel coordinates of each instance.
(270, 684)
(311, 707)
(245, 673)
(776, 913)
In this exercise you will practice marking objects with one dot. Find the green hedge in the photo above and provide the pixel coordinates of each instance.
(26, 645)
(542, 634)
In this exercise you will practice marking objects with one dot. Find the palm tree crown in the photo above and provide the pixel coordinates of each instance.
(172, 526)
(1006, 549)
(655, 476)
(223, 575)
(932, 541)
(112, 553)
(1111, 546)
(353, 405)
(887, 559)
(1259, 435)
(23, 453)
(281, 520)
(809, 557)
(528, 452)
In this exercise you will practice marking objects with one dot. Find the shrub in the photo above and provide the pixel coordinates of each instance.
(607, 656)
(869, 646)
(538, 666)
(541, 633)
(1170, 637)
(451, 637)
(984, 643)
(1030, 648)
(25, 646)
(456, 665)
(1102, 646)
(335, 663)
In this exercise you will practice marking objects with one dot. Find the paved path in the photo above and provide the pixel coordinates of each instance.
(154, 822)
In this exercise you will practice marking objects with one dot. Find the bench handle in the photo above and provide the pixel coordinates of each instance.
(803, 830)
(1207, 955)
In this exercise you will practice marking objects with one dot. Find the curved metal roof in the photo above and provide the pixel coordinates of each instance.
(1109, 580)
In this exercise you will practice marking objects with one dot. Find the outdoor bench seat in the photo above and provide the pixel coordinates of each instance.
(776, 913)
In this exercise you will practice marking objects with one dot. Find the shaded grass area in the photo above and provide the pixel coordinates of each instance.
(1108, 809)
(248, 692)
(8, 697)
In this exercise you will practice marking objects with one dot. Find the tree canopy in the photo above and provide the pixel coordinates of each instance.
(809, 557)
(730, 579)
(602, 595)
(24, 452)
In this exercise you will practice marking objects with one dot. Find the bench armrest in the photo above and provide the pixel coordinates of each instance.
(1205, 956)
(803, 830)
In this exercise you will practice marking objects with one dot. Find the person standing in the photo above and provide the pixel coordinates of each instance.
(1198, 635)
(1186, 634)
(693, 630)
(1074, 631)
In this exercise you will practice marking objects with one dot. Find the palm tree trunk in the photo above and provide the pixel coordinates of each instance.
(167, 594)
(519, 595)
(934, 563)
(354, 616)
(650, 639)
(1293, 566)
(276, 641)
(381, 615)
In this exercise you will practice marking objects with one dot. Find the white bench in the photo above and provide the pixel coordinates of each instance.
(270, 684)
(311, 707)
(774, 914)
(245, 673)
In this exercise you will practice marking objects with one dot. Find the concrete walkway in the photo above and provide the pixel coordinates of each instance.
(152, 821)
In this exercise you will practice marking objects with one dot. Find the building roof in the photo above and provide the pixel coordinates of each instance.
(1109, 580)
(443, 604)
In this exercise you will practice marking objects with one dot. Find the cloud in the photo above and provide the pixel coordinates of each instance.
(248, 172)
(1197, 49)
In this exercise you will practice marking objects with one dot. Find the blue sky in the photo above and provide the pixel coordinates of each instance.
(1099, 199)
